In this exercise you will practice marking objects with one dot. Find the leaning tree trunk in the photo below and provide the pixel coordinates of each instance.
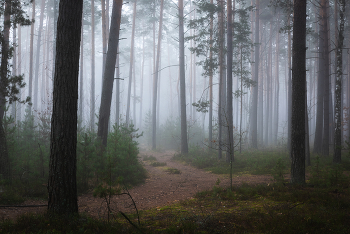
(108, 77)
(62, 185)
(298, 93)
(184, 143)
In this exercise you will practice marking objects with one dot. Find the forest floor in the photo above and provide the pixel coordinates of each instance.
(161, 188)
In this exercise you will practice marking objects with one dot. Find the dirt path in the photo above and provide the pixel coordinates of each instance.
(161, 188)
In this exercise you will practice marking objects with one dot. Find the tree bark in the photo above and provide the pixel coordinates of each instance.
(211, 83)
(230, 141)
(62, 175)
(31, 55)
(37, 59)
(298, 93)
(338, 85)
(92, 91)
(184, 143)
(108, 77)
(81, 82)
(5, 169)
(131, 64)
(254, 112)
(155, 79)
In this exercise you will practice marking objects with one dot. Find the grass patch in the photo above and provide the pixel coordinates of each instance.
(158, 164)
(249, 162)
(274, 208)
(171, 170)
(149, 158)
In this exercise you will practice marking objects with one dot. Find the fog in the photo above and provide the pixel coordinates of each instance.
(273, 78)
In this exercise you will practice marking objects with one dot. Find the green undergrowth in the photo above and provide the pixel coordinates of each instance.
(266, 162)
(249, 162)
(273, 208)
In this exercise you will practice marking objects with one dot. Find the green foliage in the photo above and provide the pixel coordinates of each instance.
(122, 153)
(326, 174)
(29, 151)
(278, 171)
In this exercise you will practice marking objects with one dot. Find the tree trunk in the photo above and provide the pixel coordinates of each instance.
(38, 55)
(142, 78)
(131, 64)
(31, 55)
(104, 34)
(108, 77)
(5, 169)
(211, 83)
(230, 140)
(254, 112)
(324, 70)
(298, 93)
(155, 79)
(14, 73)
(338, 85)
(92, 92)
(81, 82)
(222, 78)
(184, 143)
(275, 135)
(62, 175)
(117, 90)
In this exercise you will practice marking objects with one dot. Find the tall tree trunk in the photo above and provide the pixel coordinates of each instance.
(326, 77)
(142, 78)
(62, 176)
(155, 79)
(104, 34)
(19, 71)
(92, 91)
(31, 55)
(222, 77)
(14, 73)
(298, 93)
(5, 169)
(338, 85)
(275, 134)
(81, 82)
(108, 77)
(254, 112)
(230, 141)
(131, 64)
(289, 112)
(184, 143)
(211, 83)
(37, 58)
(117, 90)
